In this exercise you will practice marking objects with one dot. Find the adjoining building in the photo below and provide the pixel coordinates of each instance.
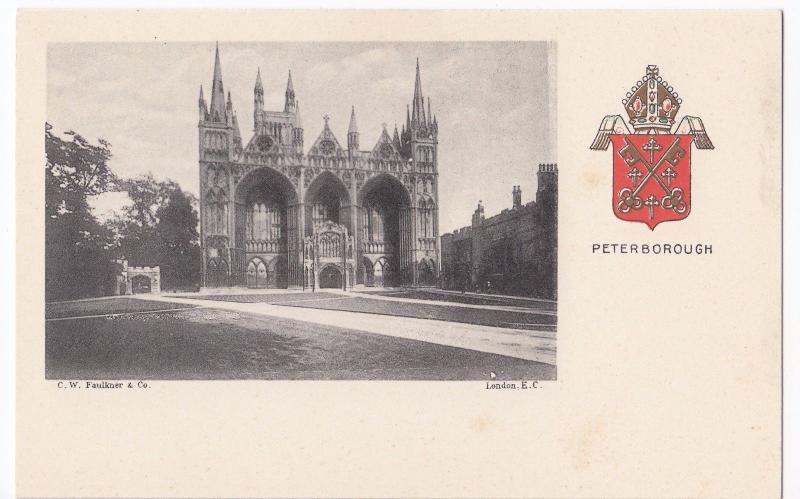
(273, 214)
(514, 252)
(131, 280)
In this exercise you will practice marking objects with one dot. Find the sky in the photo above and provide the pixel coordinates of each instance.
(494, 102)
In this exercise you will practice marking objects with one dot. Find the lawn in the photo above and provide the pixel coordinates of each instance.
(110, 305)
(207, 343)
(470, 299)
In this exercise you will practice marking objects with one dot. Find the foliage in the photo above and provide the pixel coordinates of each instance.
(78, 262)
(179, 249)
(159, 228)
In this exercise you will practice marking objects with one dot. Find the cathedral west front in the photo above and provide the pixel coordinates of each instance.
(275, 214)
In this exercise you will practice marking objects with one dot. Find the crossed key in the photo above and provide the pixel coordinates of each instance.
(673, 198)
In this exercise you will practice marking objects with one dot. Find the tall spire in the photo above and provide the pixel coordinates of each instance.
(418, 105)
(396, 138)
(353, 128)
(297, 130)
(259, 85)
(201, 103)
(258, 102)
(298, 121)
(429, 111)
(290, 103)
(352, 131)
(217, 110)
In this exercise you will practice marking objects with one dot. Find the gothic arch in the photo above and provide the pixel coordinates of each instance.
(375, 182)
(331, 276)
(216, 272)
(257, 274)
(216, 200)
(426, 272)
(368, 271)
(265, 175)
(326, 198)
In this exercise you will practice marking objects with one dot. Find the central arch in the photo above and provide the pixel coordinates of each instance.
(327, 199)
(385, 229)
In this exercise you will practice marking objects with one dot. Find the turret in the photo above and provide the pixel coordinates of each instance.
(289, 105)
(237, 135)
(229, 110)
(516, 194)
(217, 111)
(396, 139)
(418, 104)
(352, 133)
(477, 215)
(547, 179)
(422, 140)
(297, 130)
(202, 105)
(258, 103)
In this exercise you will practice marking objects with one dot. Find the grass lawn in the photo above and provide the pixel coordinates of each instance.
(470, 299)
(206, 343)
(110, 305)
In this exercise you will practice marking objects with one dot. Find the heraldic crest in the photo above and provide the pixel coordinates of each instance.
(652, 176)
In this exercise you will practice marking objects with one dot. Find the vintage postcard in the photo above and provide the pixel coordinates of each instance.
(372, 254)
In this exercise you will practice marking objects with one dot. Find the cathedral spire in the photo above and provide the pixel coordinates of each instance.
(201, 103)
(353, 128)
(259, 86)
(237, 135)
(352, 132)
(290, 102)
(258, 102)
(418, 109)
(297, 130)
(396, 139)
(217, 110)
(429, 111)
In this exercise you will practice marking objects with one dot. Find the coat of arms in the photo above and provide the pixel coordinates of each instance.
(652, 175)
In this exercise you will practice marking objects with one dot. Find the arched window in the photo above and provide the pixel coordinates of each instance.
(425, 209)
(217, 211)
(265, 220)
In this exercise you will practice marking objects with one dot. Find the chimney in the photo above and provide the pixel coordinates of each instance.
(517, 197)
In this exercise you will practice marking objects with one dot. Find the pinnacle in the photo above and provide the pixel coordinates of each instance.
(353, 128)
(259, 85)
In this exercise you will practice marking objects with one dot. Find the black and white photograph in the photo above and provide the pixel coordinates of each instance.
(315, 210)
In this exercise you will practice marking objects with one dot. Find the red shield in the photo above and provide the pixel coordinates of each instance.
(652, 178)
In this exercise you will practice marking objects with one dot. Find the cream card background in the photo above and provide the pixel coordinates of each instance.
(668, 366)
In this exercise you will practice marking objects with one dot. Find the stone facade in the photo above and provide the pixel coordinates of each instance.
(134, 280)
(514, 252)
(265, 203)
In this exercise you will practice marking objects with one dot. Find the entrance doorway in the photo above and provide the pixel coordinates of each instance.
(140, 284)
(257, 273)
(330, 277)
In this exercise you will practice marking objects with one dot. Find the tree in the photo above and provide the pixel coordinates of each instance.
(159, 228)
(78, 262)
(135, 227)
(178, 238)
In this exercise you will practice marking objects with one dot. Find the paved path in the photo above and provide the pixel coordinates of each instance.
(392, 297)
(539, 346)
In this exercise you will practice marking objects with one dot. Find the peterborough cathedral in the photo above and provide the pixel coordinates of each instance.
(274, 214)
